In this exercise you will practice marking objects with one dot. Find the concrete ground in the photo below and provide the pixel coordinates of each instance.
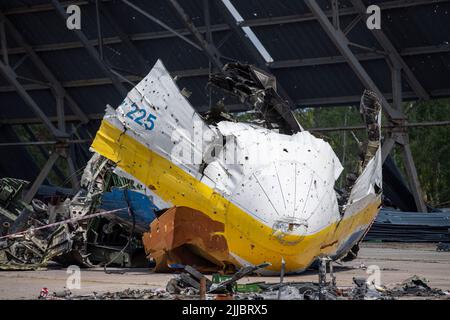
(397, 262)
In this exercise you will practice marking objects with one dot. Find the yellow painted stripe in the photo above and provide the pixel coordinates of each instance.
(247, 237)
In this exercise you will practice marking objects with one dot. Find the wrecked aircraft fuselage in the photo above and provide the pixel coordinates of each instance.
(219, 194)
(274, 193)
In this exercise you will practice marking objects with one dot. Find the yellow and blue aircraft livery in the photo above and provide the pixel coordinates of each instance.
(273, 192)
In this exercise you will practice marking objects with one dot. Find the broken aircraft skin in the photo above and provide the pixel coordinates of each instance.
(273, 192)
(110, 239)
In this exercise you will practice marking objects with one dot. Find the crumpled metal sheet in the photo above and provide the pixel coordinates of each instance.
(371, 175)
(159, 116)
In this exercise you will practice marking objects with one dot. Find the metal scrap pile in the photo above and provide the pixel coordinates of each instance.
(34, 248)
(100, 225)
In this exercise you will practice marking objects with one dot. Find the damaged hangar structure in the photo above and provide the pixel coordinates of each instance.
(320, 53)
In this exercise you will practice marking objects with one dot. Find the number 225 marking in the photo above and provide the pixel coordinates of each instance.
(148, 123)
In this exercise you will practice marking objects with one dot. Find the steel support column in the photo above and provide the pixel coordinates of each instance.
(72, 173)
(40, 146)
(60, 113)
(397, 92)
(41, 177)
(411, 172)
(388, 145)
(99, 29)
(400, 135)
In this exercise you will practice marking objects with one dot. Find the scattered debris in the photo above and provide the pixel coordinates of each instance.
(415, 286)
(59, 295)
(443, 247)
(364, 291)
(322, 290)
(127, 294)
(190, 284)
(43, 294)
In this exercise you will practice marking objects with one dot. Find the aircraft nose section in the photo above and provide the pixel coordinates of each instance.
(289, 196)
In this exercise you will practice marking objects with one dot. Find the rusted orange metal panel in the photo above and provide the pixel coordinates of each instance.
(182, 235)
